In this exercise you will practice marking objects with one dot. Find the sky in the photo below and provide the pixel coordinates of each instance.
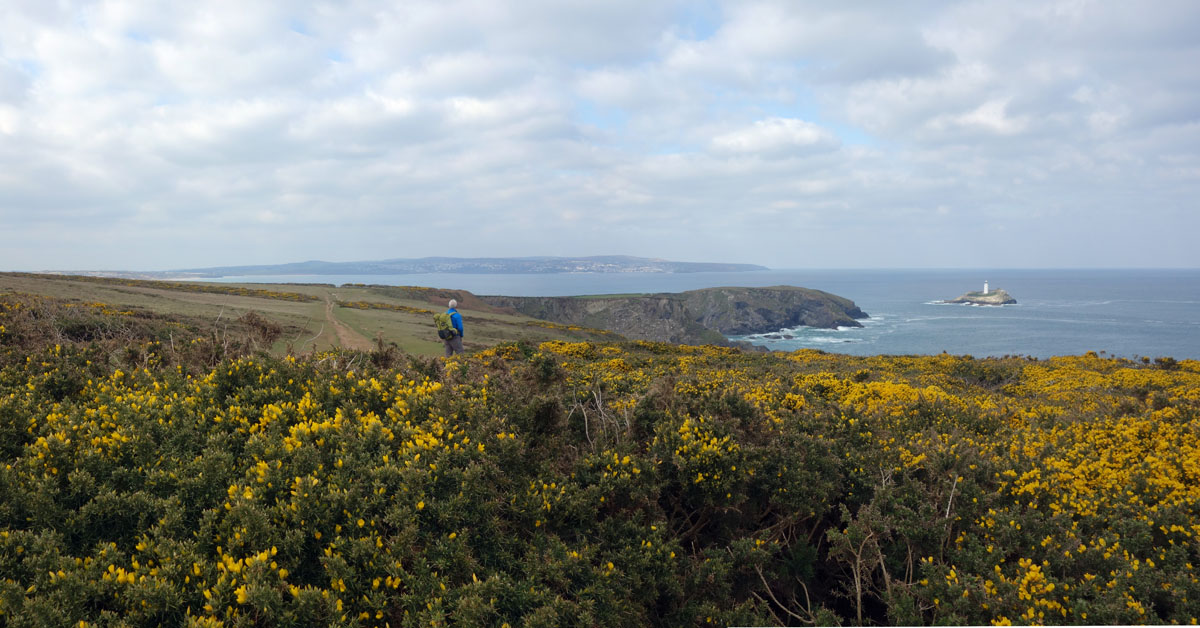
(163, 134)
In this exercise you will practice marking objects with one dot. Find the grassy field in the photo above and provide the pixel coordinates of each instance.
(312, 317)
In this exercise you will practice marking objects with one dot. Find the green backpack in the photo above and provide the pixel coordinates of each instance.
(445, 327)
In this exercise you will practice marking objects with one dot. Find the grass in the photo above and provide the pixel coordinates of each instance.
(305, 323)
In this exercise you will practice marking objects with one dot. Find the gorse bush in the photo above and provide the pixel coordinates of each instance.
(591, 484)
(105, 337)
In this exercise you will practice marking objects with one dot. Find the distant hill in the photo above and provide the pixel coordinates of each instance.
(476, 265)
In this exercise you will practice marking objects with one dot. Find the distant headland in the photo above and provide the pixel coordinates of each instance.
(693, 317)
(453, 265)
(986, 297)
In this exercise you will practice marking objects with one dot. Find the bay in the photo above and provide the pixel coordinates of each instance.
(1121, 312)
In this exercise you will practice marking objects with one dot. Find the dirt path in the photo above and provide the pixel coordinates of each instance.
(347, 338)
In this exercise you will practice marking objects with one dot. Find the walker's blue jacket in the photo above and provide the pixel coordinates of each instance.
(456, 320)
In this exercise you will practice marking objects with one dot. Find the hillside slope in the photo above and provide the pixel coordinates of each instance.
(309, 317)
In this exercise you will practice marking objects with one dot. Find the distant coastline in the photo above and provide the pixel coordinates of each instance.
(439, 265)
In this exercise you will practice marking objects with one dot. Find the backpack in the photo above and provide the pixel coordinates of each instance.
(445, 328)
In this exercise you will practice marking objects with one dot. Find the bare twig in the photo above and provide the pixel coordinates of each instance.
(908, 571)
(778, 621)
(951, 500)
(887, 580)
(586, 430)
(600, 410)
(807, 600)
(857, 569)
(782, 606)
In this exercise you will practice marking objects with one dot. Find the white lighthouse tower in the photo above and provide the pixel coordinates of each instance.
(985, 286)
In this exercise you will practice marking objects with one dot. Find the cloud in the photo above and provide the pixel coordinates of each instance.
(770, 131)
(776, 137)
(14, 83)
(990, 117)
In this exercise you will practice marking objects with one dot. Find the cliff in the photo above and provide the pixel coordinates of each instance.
(995, 297)
(694, 317)
(738, 311)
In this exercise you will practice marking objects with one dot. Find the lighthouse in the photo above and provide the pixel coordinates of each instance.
(985, 286)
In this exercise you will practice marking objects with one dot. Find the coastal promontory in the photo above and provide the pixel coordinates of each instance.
(693, 317)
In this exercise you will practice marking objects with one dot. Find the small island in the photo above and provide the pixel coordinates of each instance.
(986, 297)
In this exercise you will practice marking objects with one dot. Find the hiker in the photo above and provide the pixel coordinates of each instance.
(454, 342)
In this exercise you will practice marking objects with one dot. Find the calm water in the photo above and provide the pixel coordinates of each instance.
(1129, 313)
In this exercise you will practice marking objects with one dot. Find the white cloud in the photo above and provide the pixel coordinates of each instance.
(901, 106)
(10, 119)
(652, 128)
(991, 116)
(14, 83)
(776, 137)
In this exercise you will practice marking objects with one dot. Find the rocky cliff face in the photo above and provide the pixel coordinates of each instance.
(658, 317)
(694, 317)
(737, 311)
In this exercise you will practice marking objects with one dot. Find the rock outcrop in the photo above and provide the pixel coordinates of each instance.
(740, 311)
(994, 297)
(694, 317)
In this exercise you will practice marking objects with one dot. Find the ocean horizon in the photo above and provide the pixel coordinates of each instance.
(1129, 313)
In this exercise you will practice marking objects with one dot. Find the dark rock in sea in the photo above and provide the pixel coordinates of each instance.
(993, 297)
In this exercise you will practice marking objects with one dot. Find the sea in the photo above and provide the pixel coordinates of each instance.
(1121, 313)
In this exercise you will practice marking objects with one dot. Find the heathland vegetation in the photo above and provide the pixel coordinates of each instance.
(295, 318)
(179, 466)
